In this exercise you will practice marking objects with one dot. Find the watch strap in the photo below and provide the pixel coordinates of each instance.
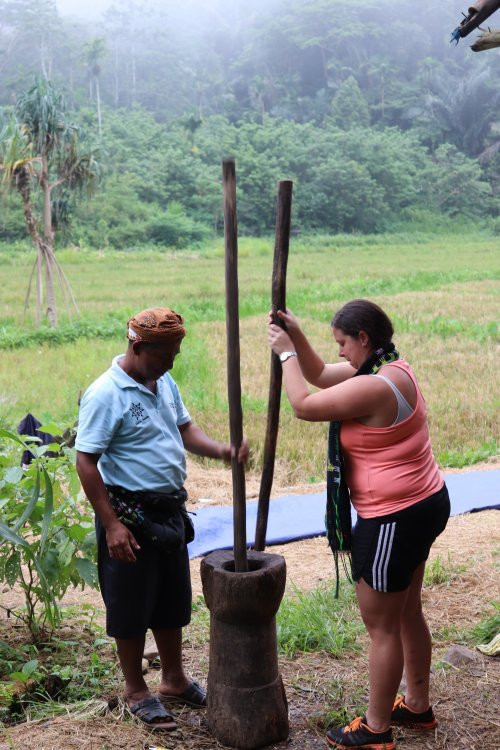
(286, 355)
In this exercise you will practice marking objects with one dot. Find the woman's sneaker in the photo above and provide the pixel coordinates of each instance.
(403, 716)
(358, 734)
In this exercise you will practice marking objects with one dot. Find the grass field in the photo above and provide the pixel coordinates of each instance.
(441, 291)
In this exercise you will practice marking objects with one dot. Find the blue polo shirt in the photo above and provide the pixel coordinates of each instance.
(135, 430)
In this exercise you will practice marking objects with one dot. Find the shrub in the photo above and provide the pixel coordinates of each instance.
(47, 538)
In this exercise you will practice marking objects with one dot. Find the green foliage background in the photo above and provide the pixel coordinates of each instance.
(365, 106)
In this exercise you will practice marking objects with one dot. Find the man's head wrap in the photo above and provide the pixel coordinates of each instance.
(157, 325)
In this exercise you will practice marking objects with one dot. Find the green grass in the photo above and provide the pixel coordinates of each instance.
(311, 621)
(441, 291)
(13, 336)
(486, 629)
(316, 621)
(483, 632)
(470, 456)
(341, 703)
(198, 631)
(439, 571)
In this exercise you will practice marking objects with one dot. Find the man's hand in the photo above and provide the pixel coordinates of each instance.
(195, 441)
(121, 543)
(228, 451)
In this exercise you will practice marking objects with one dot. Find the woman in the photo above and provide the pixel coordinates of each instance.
(399, 495)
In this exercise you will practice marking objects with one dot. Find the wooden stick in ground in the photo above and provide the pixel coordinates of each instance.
(278, 295)
(233, 363)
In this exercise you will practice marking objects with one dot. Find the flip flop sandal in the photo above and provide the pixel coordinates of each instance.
(152, 713)
(193, 695)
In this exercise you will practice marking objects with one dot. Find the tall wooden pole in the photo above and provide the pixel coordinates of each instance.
(233, 363)
(278, 297)
(478, 13)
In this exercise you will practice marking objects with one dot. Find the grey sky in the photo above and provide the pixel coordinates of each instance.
(83, 8)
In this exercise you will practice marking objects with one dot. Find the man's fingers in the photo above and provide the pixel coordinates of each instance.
(133, 542)
(127, 553)
(243, 452)
(123, 548)
(128, 547)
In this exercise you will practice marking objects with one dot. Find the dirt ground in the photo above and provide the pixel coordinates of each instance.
(465, 698)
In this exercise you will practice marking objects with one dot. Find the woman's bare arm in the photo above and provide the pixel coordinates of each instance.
(315, 370)
(359, 398)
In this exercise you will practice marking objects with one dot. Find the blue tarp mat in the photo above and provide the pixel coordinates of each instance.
(302, 516)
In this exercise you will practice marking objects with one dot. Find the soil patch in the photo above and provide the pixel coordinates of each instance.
(317, 685)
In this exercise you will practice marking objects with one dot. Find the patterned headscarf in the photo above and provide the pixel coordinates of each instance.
(157, 325)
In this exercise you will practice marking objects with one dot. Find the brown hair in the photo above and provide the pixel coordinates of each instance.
(363, 315)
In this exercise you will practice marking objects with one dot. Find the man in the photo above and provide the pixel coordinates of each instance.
(132, 435)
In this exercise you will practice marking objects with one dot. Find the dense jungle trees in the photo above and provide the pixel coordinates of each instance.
(321, 91)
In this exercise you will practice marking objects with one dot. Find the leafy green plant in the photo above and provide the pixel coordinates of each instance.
(39, 680)
(28, 671)
(47, 539)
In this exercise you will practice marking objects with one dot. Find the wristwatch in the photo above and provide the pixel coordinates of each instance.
(286, 355)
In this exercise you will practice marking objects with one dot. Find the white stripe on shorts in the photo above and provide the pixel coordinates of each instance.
(382, 556)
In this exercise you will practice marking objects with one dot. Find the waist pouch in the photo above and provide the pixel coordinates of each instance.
(160, 517)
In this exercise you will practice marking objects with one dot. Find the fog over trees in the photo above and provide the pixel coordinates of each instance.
(365, 105)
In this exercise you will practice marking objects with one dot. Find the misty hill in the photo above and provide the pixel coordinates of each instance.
(335, 95)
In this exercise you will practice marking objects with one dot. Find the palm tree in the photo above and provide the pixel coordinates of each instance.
(93, 51)
(40, 149)
(458, 109)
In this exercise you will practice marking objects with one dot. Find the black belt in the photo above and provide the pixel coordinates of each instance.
(160, 517)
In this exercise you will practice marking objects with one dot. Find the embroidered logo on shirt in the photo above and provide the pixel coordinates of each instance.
(138, 413)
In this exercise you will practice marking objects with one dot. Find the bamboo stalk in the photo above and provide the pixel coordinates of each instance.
(233, 363)
(49, 285)
(62, 285)
(65, 286)
(28, 293)
(68, 285)
(278, 297)
(39, 285)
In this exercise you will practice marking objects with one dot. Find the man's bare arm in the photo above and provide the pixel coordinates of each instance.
(197, 442)
(120, 540)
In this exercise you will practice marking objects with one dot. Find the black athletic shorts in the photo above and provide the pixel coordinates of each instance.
(154, 592)
(386, 550)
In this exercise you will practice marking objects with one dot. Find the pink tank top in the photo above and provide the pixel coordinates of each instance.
(390, 468)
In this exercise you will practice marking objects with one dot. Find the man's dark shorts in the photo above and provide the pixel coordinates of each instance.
(387, 550)
(154, 592)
